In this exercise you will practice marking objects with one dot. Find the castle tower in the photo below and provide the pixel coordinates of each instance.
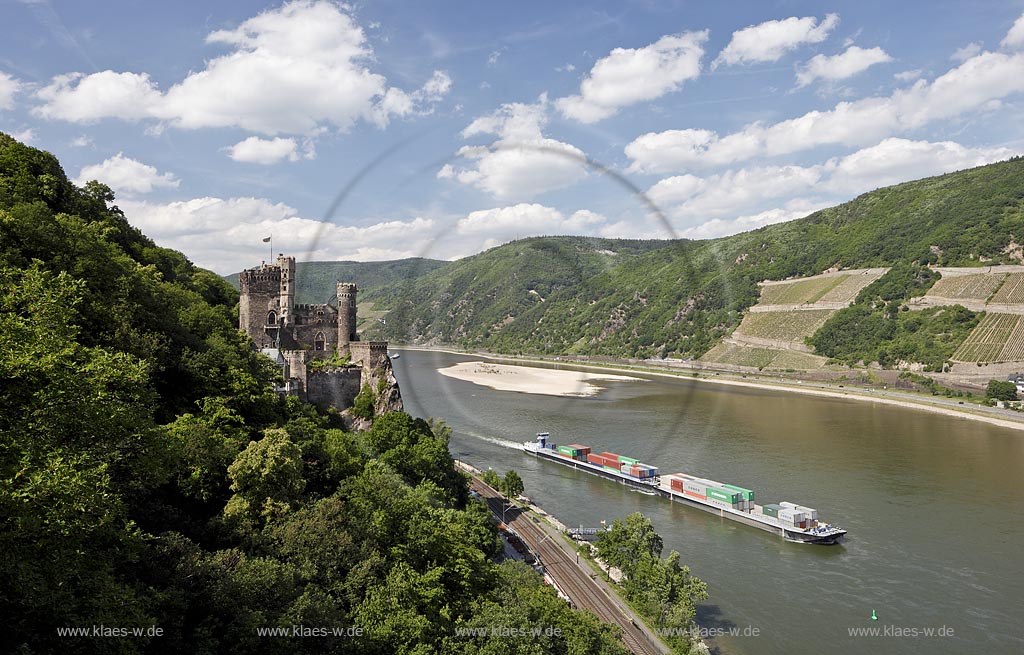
(346, 314)
(287, 292)
(259, 303)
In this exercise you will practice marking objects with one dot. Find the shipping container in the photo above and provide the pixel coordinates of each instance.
(811, 513)
(694, 495)
(723, 495)
(628, 460)
(580, 449)
(771, 510)
(610, 455)
(747, 493)
(677, 485)
(788, 504)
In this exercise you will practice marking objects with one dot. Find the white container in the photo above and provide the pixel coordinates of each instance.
(789, 515)
(788, 504)
(811, 513)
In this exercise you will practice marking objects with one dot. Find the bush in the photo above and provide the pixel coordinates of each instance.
(362, 405)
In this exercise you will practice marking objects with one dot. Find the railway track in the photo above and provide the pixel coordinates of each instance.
(577, 582)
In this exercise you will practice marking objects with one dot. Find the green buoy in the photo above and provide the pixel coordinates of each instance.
(874, 617)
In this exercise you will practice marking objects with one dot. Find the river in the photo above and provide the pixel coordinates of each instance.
(933, 504)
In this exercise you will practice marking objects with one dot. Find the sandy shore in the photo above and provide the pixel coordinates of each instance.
(874, 396)
(528, 379)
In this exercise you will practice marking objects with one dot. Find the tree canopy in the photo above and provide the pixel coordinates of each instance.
(151, 478)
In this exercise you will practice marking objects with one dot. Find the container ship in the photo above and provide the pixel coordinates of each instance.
(788, 520)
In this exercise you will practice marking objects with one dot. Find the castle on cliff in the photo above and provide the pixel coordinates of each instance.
(317, 346)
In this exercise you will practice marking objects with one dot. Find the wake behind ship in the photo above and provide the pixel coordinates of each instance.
(789, 520)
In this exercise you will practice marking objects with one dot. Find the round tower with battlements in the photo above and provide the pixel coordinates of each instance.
(346, 314)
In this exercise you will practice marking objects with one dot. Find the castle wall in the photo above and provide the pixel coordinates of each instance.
(311, 320)
(369, 353)
(334, 387)
(295, 367)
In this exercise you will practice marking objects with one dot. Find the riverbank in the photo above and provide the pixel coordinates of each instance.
(937, 405)
(527, 379)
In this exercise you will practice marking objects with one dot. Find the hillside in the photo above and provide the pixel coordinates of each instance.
(315, 280)
(679, 298)
(151, 478)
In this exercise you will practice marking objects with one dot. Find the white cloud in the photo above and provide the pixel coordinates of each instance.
(436, 88)
(126, 176)
(80, 98)
(839, 67)
(897, 160)
(28, 135)
(908, 76)
(296, 69)
(631, 75)
(225, 234)
(966, 52)
(762, 194)
(720, 227)
(81, 141)
(1015, 37)
(255, 150)
(732, 192)
(770, 40)
(9, 87)
(522, 163)
(527, 220)
(973, 85)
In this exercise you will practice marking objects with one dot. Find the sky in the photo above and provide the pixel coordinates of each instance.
(386, 129)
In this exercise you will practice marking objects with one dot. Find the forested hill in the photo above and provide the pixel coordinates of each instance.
(575, 295)
(151, 479)
(315, 281)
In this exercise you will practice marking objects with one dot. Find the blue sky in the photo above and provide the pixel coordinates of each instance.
(458, 126)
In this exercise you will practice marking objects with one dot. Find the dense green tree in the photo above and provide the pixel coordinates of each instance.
(663, 590)
(1001, 390)
(512, 485)
(629, 542)
(266, 478)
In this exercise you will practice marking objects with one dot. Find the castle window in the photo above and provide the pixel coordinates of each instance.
(318, 342)
(272, 318)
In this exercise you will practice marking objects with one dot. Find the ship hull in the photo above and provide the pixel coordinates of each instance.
(746, 518)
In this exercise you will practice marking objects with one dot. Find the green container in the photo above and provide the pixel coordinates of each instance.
(771, 510)
(613, 468)
(723, 495)
(628, 460)
(566, 450)
(746, 493)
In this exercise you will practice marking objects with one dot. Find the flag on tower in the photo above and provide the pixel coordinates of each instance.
(266, 239)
